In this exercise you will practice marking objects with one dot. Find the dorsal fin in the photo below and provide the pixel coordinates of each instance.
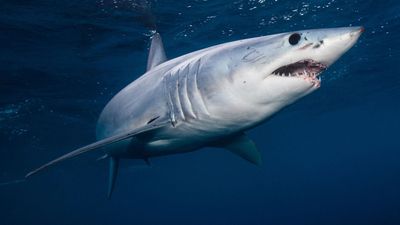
(156, 53)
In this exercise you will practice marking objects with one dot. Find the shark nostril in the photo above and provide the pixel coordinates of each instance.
(306, 46)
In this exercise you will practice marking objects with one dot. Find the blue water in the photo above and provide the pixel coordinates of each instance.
(331, 158)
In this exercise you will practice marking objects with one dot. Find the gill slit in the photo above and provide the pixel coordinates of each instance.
(185, 94)
(202, 102)
(178, 99)
(167, 92)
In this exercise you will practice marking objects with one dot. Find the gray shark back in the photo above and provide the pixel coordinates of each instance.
(158, 93)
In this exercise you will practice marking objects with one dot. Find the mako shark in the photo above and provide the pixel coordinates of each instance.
(210, 97)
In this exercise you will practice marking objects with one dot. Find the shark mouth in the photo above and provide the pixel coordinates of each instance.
(308, 70)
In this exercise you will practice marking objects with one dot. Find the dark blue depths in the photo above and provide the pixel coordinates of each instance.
(331, 158)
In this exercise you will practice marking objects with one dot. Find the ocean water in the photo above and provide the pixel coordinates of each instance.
(331, 158)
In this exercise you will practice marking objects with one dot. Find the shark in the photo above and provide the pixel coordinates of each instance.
(211, 97)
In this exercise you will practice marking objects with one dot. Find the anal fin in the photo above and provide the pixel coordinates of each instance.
(113, 172)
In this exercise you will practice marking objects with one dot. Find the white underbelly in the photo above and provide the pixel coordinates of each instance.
(185, 137)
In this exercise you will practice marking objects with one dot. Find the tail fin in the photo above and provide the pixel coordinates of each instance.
(97, 145)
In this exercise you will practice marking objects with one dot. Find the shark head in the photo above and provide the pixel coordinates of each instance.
(265, 74)
(282, 68)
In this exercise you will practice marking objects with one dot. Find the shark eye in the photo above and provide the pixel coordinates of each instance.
(294, 39)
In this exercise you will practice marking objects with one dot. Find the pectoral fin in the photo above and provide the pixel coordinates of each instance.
(101, 143)
(242, 146)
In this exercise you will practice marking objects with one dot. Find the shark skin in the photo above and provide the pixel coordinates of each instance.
(219, 91)
(211, 97)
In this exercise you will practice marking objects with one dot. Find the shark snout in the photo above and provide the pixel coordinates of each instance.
(337, 41)
(357, 32)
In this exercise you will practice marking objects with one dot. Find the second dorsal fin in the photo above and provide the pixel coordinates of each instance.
(156, 53)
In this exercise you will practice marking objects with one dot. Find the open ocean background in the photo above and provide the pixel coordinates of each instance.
(332, 158)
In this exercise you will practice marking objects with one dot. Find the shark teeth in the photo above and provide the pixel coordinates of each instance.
(297, 74)
(306, 69)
